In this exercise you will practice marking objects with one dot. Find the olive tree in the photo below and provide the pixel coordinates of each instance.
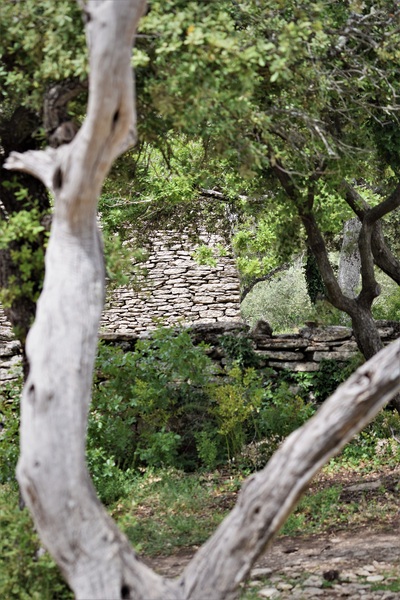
(94, 556)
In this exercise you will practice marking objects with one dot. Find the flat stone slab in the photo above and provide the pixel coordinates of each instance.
(324, 334)
(318, 356)
(295, 366)
(279, 355)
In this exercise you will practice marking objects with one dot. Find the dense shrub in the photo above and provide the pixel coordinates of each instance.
(26, 571)
(165, 405)
(9, 434)
(151, 405)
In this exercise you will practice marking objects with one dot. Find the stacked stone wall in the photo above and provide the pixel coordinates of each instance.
(302, 351)
(10, 351)
(176, 290)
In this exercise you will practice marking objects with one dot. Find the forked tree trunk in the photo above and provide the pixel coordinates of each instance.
(94, 556)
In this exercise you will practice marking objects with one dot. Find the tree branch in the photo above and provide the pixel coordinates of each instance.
(383, 208)
(382, 254)
(39, 163)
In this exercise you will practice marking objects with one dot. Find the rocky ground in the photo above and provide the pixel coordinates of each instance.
(360, 562)
(363, 564)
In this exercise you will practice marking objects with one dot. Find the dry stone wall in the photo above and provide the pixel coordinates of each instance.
(10, 351)
(176, 289)
(302, 351)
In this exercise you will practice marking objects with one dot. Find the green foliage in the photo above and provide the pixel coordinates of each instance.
(319, 385)
(313, 511)
(169, 509)
(323, 313)
(161, 405)
(237, 403)
(283, 411)
(204, 255)
(39, 44)
(282, 301)
(377, 444)
(238, 350)
(24, 236)
(331, 374)
(9, 434)
(150, 404)
(110, 481)
(387, 305)
(159, 185)
(26, 571)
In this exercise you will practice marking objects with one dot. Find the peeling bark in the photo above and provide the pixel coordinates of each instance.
(95, 557)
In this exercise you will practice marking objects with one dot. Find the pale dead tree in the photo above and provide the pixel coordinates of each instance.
(94, 556)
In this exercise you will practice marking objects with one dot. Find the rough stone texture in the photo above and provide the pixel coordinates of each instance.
(177, 290)
(327, 566)
(10, 352)
(300, 352)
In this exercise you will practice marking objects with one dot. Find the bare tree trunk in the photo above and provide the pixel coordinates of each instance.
(366, 332)
(94, 556)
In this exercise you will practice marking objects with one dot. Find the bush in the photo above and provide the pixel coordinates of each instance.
(150, 405)
(9, 434)
(27, 572)
(163, 406)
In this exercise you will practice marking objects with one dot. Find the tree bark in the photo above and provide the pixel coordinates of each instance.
(350, 263)
(383, 256)
(94, 556)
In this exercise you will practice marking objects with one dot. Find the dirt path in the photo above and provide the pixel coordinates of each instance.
(354, 561)
(342, 551)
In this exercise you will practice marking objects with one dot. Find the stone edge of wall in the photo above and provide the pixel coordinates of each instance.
(302, 351)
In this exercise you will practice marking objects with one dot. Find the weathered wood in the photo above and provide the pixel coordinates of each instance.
(94, 556)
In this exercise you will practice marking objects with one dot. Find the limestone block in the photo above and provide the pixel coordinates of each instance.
(12, 361)
(204, 299)
(6, 333)
(280, 355)
(326, 334)
(386, 332)
(231, 312)
(211, 313)
(181, 292)
(174, 271)
(321, 347)
(294, 366)
(161, 293)
(10, 348)
(265, 343)
(178, 281)
(318, 356)
(348, 346)
(8, 374)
